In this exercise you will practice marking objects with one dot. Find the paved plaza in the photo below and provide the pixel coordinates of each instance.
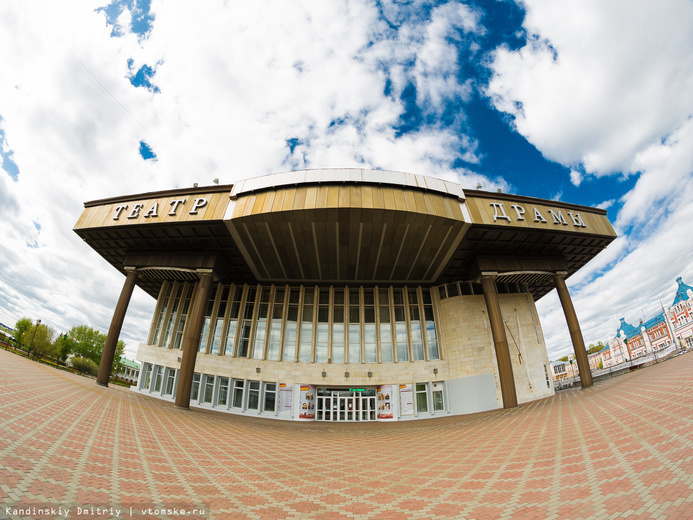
(72, 449)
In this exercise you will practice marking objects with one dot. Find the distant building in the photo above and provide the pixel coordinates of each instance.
(673, 325)
(130, 371)
(568, 370)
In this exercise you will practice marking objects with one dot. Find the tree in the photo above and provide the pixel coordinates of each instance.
(118, 358)
(595, 348)
(84, 365)
(86, 342)
(20, 329)
(64, 347)
(564, 359)
(42, 344)
(89, 343)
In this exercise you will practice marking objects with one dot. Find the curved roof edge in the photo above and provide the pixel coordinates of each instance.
(347, 175)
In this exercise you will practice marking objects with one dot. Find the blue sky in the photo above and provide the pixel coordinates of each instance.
(586, 102)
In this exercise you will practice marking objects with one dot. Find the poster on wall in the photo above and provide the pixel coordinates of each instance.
(385, 404)
(406, 399)
(285, 395)
(307, 410)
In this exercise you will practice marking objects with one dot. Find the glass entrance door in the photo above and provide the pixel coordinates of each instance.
(342, 405)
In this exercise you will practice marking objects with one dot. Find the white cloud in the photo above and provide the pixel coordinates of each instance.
(236, 81)
(639, 269)
(576, 177)
(598, 81)
(604, 88)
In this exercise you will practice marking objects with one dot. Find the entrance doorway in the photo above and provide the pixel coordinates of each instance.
(340, 404)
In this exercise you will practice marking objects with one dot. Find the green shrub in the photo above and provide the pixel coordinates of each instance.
(84, 365)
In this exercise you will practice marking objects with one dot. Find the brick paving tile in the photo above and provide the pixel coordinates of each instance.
(620, 449)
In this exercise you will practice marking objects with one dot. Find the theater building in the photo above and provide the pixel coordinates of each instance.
(344, 295)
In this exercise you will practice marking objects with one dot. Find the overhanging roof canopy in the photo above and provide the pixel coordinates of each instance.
(342, 227)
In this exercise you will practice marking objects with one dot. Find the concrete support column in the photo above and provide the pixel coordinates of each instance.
(191, 340)
(114, 330)
(575, 333)
(500, 340)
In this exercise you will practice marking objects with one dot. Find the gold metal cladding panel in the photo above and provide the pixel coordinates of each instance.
(346, 232)
(187, 208)
(309, 198)
(526, 213)
(339, 245)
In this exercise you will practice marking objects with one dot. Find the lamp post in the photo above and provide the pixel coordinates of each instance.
(31, 343)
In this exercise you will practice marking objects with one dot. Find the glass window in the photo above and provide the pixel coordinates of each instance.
(218, 324)
(437, 394)
(170, 379)
(158, 376)
(245, 338)
(209, 389)
(223, 391)
(401, 336)
(386, 342)
(261, 328)
(147, 376)
(321, 342)
(415, 321)
(338, 343)
(195, 389)
(253, 394)
(432, 340)
(385, 327)
(402, 345)
(247, 324)
(465, 289)
(421, 399)
(270, 397)
(205, 325)
(289, 351)
(354, 343)
(259, 341)
(160, 318)
(370, 338)
(322, 337)
(429, 323)
(275, 337)
(417, 340)
(183, 317)
(238, 386)
(275, 330)
(306, 347)
(172, 317)
(306, 342)
(233, 320)
(338, 327)
(354, 353)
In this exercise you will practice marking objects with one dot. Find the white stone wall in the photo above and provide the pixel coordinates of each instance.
(468, 342)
